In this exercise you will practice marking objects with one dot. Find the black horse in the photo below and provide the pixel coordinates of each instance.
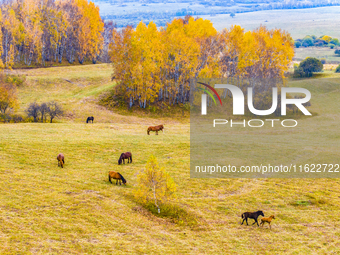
(123, 156)
(90, 119)
(251, 215)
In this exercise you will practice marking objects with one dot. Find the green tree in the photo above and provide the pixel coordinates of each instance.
(298, 71)
(335, 41)
(310, 65)
(297, 44)
(307, 42)
(154, 185)
(337, 70)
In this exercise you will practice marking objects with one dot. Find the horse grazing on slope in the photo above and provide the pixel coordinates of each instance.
(156, 129)
(61, 160)
(123, 156)
(90, 119)
(117, 176)
(251, 215)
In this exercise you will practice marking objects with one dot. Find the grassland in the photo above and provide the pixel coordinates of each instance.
(299, 22)
(317, 52)
(46, 209)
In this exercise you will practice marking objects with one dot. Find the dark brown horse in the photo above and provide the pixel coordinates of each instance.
(61, 160)
(117, 176)
(156, 129)
(90, 119)
(251, 215)
(123, 156)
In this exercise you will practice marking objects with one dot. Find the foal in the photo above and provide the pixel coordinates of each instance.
(268, 220)
(251, 215)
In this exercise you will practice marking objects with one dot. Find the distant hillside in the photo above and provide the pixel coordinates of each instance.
(161, 11)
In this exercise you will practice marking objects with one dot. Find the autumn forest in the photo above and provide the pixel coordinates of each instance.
(35, 32)
(150, 64)
(153, 65)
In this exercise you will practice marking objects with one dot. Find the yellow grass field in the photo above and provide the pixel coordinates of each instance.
(46, 209)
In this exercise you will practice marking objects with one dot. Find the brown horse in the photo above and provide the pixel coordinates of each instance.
(156, 129)
(61, 160)
(117, 176)
(123, 156)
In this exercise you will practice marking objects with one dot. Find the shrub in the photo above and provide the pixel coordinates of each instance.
(17, 118)
(33, 111)
(297, 44)
(17, 80)
(337, 51)
(298, 71)
(155, 186)
(5, 118)
(310, 65)
(326, 38)
(307, 42)
(323, 61)
(337, 70)
(335, 41)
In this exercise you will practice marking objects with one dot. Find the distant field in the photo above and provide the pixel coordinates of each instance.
(298, 22)
(317, 52)
(46, 209)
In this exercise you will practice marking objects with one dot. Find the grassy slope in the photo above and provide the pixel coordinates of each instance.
(47, 209)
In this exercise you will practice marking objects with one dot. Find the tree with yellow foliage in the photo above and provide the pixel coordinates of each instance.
(8, 98)
(154, 185)
(36, 32)
(156, 65)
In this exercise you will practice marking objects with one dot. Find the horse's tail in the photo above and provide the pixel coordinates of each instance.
(110, 178)
(121, 176)
(148, 131)
(243, 216)
(131, 158)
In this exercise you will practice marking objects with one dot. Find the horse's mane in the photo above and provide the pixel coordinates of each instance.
(121, 176)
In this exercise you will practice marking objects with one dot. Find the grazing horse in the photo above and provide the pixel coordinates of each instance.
(123, 156)
(61, 160)
(117, 176)
(155, 128)
(90, 119)
(251, 215)
(268, 220)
